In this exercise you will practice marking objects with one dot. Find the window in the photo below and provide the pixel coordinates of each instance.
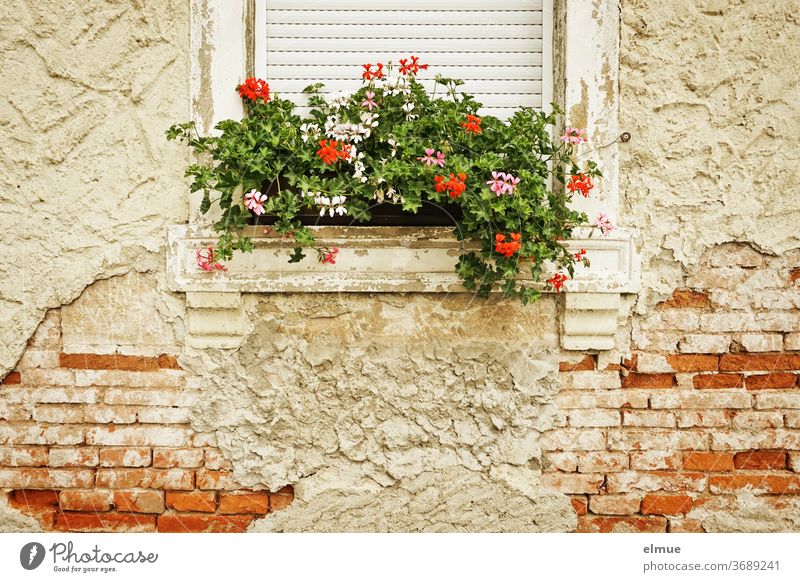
(229, 41)
(501, 49)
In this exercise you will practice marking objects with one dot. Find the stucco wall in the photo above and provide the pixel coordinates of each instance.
(87, 181)
(342, 395)
(710, 91)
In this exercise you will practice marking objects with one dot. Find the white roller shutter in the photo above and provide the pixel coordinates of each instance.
(501, 48)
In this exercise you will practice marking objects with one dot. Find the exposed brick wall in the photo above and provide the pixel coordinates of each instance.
(102, 442)
(707, 408)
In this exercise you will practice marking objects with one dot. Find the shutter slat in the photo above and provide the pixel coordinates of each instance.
(320, 72)
(429, 5)
(417, 46)
(409, 17)
(357, 58)
(509, 101)
(497, 33)
(475, 86)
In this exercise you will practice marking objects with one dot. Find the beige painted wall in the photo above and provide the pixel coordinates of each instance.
(87, 180)
(710, 91)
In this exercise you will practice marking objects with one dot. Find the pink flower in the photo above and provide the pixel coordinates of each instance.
(429, 160)
(498, 183)
(254, 200)
(510, 183)
(368, 102)
(502, 183)
(575, 136)
(206, 261)
(603, 222)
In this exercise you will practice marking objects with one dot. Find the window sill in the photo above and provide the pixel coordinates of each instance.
(385, 260)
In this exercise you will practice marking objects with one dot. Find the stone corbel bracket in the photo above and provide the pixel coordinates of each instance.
(385, 260)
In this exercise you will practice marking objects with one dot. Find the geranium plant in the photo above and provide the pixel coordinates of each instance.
(391, 141)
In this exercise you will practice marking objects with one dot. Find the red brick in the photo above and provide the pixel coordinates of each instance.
(23, 456)
(666, 504)
(756, 362)
(139, 501)
(603, 524)
(586, 364)
(693, 362)
(614, 504)
(654, 460)
(717, 381)
(11, 378)
(572, 483)
(580, 505)
(33, 497)
(187, 522)
(637, 380)
(700, 461)
(685, 526)
(125, 457)
(779, 484)
(105, 522)
(145, 479)
(244, 503)
(85, 500)
(215, 480)
(201, 501)
(686, 298)
(42, 478)
(108, 362)
(281, 499)
(770, 381)
(169, 458)
(73, 457)
(602, 462)
(167, 361)
(760, 460)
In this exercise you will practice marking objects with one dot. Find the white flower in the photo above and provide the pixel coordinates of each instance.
(408, 108)
(348, 132)
(396, 86)
(339, 99)
(329, 206)
(309, 131)
(390, 194)
(392, 144)
(369, 120)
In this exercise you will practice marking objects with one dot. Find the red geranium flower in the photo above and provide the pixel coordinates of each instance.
(580, 255)
(580, 183)
(327, 255)
(557, 281)
(455, 186)
(411, 68)
(472, 125)
(332, 150)
(254, 89)
(507, 248)
(369, 74)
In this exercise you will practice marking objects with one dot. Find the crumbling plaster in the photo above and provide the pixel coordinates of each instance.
(710, 90)
(87, 182)
(405, 413)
